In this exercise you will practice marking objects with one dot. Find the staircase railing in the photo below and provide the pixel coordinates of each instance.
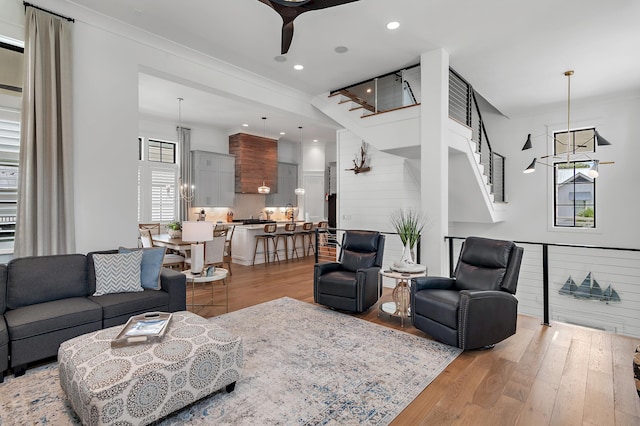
(462, 104)
(384, 93)
(395, 90)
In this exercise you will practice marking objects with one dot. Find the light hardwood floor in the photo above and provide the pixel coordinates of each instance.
(558, 375)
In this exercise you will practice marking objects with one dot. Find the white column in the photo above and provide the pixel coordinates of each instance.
(434, 69)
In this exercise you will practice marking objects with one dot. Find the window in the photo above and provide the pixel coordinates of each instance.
(9, 152)
(11, 70)
(575, 195)
(157, 177)
(162, 152)
(11, 58)
(580, 141)
(574, 189)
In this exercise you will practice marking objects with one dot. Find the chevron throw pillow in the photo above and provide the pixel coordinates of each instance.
(117, 273)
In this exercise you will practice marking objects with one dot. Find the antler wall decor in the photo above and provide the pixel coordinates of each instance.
(359, 165)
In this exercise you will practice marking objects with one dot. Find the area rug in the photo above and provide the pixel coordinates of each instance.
(304, 365)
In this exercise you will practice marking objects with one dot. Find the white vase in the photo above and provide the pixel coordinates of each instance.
(407, 256)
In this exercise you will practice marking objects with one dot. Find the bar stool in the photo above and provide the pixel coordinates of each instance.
(307, 231)
(269, 235)
(289, 233)
(323, 232)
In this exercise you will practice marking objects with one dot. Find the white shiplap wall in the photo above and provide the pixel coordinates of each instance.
(367, 200)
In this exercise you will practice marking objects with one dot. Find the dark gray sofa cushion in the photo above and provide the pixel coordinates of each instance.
(38, 279)
(43, 318)
(4, 334)
(118, 304)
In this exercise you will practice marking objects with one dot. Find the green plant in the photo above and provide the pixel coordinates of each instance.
(408, 223)
(175, 225)
(588, 212)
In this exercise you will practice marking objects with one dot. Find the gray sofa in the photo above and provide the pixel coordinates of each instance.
(45, 300)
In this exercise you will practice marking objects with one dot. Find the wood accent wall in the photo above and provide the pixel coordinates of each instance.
(256, 160)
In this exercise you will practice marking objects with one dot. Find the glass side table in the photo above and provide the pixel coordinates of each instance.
(220, 274)
(401, 293)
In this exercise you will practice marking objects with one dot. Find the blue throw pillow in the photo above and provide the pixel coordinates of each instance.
(151, 266)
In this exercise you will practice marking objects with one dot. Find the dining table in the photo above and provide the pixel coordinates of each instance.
(173, 243)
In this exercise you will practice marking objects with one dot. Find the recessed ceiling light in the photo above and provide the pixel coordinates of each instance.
(245, 125)
(282, 133)
(298, 67)
(341, 49)
(315, 140)
(368, 90)
(393, 25)
(280, 58)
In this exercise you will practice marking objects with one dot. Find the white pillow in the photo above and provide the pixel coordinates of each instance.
(117, 273)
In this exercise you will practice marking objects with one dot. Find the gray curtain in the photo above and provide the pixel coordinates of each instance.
(45, 222)
(184, 142)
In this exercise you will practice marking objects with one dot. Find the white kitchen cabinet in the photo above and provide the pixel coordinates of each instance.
(213, 175)
(287, 184)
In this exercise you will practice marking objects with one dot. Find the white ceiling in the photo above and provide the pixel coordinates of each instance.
(514, 53)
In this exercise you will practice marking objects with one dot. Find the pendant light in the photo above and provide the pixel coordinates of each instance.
(264, 189)
(300, 190)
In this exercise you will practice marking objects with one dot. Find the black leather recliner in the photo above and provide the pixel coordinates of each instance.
(477, 308)
(352, 283)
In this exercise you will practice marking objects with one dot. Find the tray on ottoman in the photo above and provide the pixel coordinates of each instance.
(142, 383)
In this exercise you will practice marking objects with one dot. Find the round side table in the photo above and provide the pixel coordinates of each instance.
(401, 293)
(220, 274)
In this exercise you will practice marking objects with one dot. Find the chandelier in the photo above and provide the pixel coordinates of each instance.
(186, 191)
(570, 150)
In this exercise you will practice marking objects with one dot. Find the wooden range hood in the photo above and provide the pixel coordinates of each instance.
(256, 161)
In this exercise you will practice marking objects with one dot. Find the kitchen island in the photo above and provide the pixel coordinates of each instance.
(244, 242)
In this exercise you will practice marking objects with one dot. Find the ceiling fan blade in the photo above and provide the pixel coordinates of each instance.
(290, 10)
(323, 4)
(287, 37)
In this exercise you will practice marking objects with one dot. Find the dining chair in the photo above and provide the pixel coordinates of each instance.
(213, 252)
(169, 260)
(227, 247)
(153, 227)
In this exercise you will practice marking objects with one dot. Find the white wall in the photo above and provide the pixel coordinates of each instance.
(203, 138)
(530, 196)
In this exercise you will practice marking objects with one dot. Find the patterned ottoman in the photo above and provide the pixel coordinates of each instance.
(139, 384)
